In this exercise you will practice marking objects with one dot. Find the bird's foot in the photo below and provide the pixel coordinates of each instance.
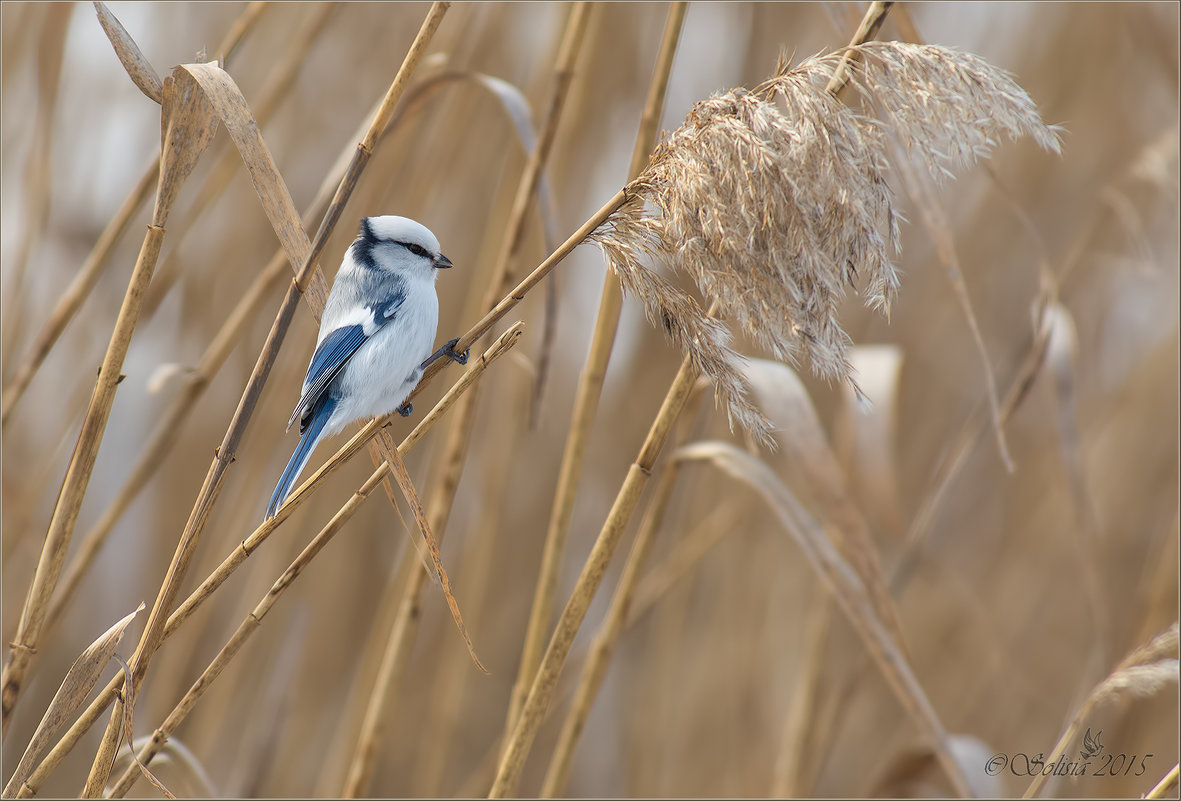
(447, 350)
(406, 409)
(458, 358)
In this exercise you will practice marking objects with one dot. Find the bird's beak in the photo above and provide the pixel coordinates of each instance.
(443, 263)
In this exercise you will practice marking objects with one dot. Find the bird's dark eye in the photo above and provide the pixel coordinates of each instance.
(417, 250)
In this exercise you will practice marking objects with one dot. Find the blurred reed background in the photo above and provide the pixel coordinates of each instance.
(1017, 592)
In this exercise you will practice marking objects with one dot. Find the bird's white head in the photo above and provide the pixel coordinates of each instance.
(398, 243)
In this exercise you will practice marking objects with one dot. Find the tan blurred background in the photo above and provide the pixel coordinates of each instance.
(1006, 631)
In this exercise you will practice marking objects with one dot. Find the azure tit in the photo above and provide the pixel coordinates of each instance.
(375, 336)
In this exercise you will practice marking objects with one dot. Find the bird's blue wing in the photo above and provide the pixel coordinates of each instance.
(337, 348)
(329, 358)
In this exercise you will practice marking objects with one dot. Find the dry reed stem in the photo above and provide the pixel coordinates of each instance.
(939, 230)
(187, 128)
(541, 692)
(846, 586)
(99, 256)
(793, 775)
(390, 671)
(449, 684)
(167, 431)
(606, 639)
(455, 448)
(37, 176)
(590, 387)
(1143, 672)
(867, 29)
(219, 90)
(247, 627)
(252, 542)
(1167, 786)
(76, 292)
(187, 111)
(280, 82)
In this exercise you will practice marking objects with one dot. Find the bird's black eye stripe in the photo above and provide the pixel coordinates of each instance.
(417, 250)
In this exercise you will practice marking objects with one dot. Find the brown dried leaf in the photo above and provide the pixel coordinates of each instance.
(187, 126)
(864, 434)
(845, 584)
(142, 73)
(75, 687)
(129, 690)
(780, 394)
(231, 107)
(402, 477)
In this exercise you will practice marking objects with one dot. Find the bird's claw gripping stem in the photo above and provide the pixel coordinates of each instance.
(448, 350)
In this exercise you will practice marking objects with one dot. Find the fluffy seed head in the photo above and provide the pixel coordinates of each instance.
(774, 199)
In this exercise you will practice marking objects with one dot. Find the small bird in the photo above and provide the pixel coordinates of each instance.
(378, 324)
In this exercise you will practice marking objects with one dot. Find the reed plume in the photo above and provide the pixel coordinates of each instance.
(773, 208)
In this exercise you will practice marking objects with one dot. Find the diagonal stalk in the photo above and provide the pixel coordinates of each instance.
(396, 653)
(603, 647)
(540, 694)
(308, 277)
(186, 132)
(99, 256)
(253, 619)
(590, 387)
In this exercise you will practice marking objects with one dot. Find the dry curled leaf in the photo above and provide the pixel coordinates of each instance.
(846, 586)
(75, 687)
(864, 434)
(141, 71)
(782, 397)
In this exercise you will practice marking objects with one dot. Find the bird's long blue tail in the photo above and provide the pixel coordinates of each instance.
(303, 451)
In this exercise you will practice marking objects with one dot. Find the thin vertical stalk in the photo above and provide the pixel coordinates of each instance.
(187, 130)
(38, 174)
(590, 388)
(256, 539)
(792, 775)
(100, 254)
(396, 654)
(541, 692)
(602, 649)
(254, 619)
(544, 684)
(307, 276)
(448, 688)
